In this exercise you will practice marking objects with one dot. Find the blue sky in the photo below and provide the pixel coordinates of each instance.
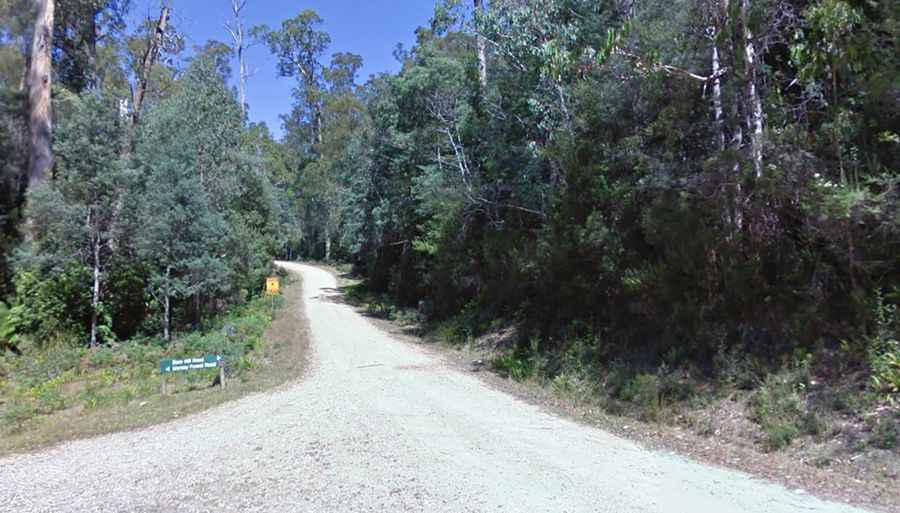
(370, 28)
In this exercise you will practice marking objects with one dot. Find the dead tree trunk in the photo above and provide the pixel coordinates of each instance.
(151, 54)
(40, 159)
(236, 29)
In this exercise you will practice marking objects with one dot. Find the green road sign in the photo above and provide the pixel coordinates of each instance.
(210, 361)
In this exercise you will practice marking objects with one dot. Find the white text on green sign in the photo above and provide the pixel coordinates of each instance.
(189, 364)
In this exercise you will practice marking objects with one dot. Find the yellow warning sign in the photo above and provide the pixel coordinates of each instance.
(273, 286)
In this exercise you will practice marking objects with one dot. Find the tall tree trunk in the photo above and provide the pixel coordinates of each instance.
(752, 102)
(236, 29)
(737, 133)
(23, 80)
(835, 138)
(95, 292)
(94, 75)
(39, 82)
(717, 95)
(198, 311)
(151, 54)
(729, 213)
(242, 84)
(318, 124)
(167, 308)
(482, 46)
(327, 243)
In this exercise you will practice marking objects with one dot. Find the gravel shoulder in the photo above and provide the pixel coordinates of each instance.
(377, 425)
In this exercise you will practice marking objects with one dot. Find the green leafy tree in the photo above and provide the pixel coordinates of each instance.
(78, 216)
(180, 237)
(299, 45)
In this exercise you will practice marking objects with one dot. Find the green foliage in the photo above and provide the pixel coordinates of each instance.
(77, 216)
(778, 407)
(43, 380)
(884, 350)
(51, 308)
(586, 185)
(6, 327)
(643, 390)
(516, 367)
(187, 216)
(886, 433)
(602, 191)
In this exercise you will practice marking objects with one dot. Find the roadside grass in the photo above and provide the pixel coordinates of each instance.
(67, 393)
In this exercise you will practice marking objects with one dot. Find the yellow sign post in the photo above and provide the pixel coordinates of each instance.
(273, 286)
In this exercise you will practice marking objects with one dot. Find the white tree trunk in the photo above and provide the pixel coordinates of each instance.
(327, 244)
(753, 102)
(482, 46)
(737, 143)
(717, 96)
(236, 29)
(242, 84)
(167, 307)
(95, 292)
(39, 87)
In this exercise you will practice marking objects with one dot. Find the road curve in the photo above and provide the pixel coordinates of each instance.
(377, 425)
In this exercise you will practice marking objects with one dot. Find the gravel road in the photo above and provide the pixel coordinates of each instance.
(377, 425)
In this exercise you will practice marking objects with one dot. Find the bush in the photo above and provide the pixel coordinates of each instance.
(51, 307)
(736, 368)
(778, 408)
(886, 433)
(17, 413)
(883, 353)
(513, 366)
(6, 327)
(644, 390)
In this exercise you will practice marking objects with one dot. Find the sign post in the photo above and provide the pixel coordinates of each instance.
(210, 361)
(273, 288)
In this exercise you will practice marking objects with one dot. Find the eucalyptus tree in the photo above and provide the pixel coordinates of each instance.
(40, 77)
(299, 46)
(151, 53)
(81, 29)
(181, 236)
(78, 216)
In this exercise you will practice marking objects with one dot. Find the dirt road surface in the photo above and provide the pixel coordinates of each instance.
(376, 425)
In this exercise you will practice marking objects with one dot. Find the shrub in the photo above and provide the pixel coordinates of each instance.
(18, 413)
(50, 306)
(48, 396)
(513, 366)
(736, 368)
(883, 353)
(778, 408)
(6, 326)
(884, 360)
(886, 433)
(779, 434)
(103, 357)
